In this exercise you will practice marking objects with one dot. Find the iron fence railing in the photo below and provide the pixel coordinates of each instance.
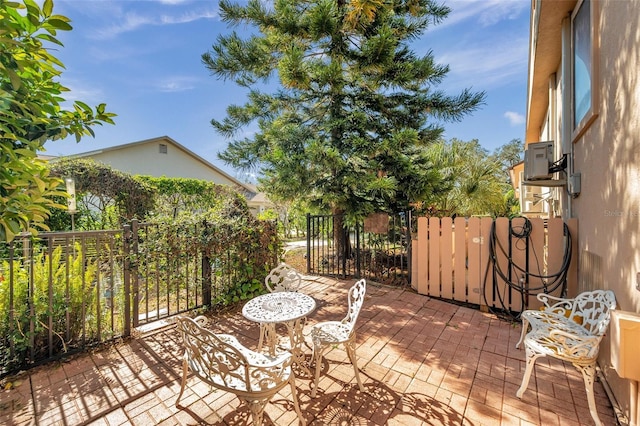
(61, 292)
(377, 248)
(57, 294)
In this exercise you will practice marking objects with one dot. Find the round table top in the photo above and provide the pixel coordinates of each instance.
(280, 306)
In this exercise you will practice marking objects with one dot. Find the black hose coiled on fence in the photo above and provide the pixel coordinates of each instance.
(550, 282)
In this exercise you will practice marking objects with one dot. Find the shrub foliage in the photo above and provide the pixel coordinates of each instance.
(49, 295)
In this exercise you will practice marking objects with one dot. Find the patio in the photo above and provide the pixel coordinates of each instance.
(423, 361)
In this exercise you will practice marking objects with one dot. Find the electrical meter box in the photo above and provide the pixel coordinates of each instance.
(538, 158)
(625, 344)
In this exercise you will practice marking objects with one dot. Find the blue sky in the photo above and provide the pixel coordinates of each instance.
(143, 59)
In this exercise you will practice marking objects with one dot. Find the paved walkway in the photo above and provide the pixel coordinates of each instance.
(423, 362)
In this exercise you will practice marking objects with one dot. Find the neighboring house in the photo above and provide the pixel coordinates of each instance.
(259, 202)
(584, 95)
(163, 156)
(535, 201)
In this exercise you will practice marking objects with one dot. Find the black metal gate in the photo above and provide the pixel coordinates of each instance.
(378, 248)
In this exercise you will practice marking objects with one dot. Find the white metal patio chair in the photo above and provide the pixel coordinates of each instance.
(281, 278)
(224, 363)
(330, 333)
(570, 330)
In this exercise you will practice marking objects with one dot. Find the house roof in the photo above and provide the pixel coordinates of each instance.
(514, 174)
(167, 139)
(545, 52)
(261, 198)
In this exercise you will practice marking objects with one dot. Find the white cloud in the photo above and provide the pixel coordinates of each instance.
(488, 64)
(81, 91)
(176, 84)
(188, 17)
(487, 43)
(514, 118)
(132, 21)
(173, 2)
(129, 22)
(485, 12)
(500, 10)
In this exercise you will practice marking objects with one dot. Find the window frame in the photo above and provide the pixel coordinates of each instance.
(578, 129)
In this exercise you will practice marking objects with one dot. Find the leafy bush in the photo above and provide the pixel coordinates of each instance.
(213, 240)
(33, 113)
(177, 197)
(106, 197)
(239, 248)
(62, 300)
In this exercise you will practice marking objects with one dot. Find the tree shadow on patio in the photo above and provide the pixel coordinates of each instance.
(379, 404)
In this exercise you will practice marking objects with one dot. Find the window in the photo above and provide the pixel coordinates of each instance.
(162, 148)
(583, 88)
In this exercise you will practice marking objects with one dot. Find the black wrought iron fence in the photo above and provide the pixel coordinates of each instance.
(164, 271)
(377, 248)
(62, 292)
(57, 294)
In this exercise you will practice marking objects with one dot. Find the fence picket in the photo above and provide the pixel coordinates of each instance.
(474, 285)
(497, 294)
(421, 256)
(519, 256)
(434, 256)
(536, 261)
(555, 246)
(456, 260)
(446, 252)
(572, 276)
(485, 256)
(460, 247)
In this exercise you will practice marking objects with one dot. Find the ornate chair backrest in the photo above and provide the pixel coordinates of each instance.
(593, 308)
(283, 278)
(356, 299)
(219, 361)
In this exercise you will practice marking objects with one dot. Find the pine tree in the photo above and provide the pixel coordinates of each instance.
(347, 127)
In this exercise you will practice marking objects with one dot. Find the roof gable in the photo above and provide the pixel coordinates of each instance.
(162, 156)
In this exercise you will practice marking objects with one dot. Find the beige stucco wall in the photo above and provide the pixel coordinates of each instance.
(608, 158)
(145, 159)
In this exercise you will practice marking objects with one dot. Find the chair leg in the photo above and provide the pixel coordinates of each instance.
(294, 396)
(184, 379)
(531, 360)
(525, 326)
(588, 374)
(317, 358)
(351, 352)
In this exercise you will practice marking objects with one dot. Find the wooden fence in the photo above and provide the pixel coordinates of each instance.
(498, 263)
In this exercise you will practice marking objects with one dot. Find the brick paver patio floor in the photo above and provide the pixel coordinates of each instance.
(423, 361)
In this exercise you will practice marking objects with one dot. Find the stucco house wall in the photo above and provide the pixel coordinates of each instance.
(606, 154)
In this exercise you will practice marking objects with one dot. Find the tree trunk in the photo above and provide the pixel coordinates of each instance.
(342, 242)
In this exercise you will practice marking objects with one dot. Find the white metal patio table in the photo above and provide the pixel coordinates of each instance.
(286, 307)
